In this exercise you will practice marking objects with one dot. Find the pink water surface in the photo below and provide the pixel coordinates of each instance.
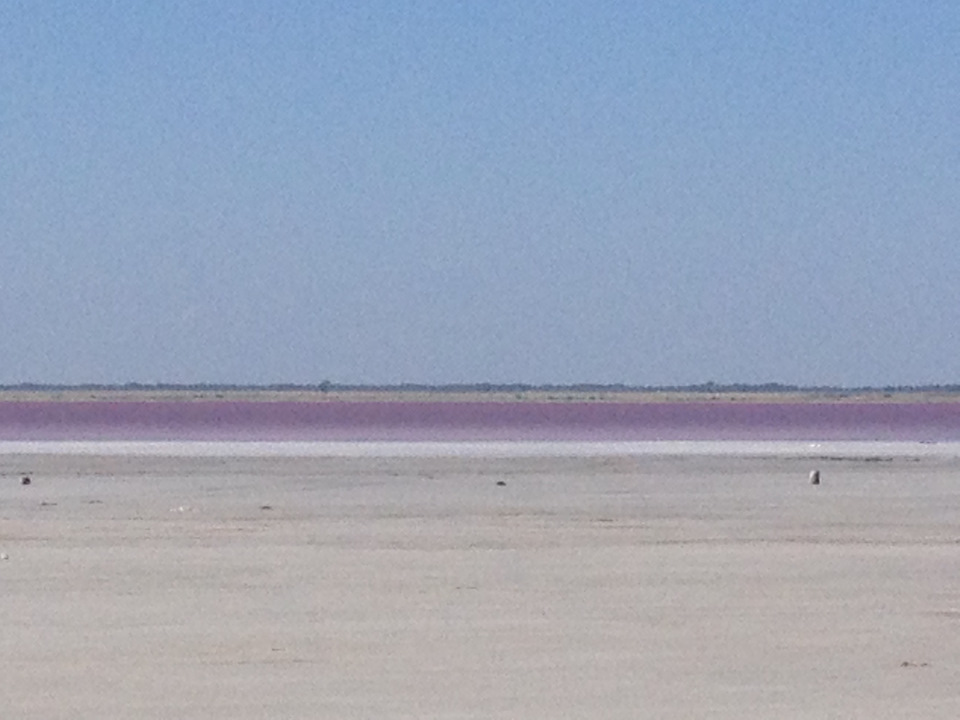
(246, 420)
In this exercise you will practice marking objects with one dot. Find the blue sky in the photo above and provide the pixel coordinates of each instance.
(542, 192)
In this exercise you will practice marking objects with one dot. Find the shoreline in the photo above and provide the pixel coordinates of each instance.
(831, 449)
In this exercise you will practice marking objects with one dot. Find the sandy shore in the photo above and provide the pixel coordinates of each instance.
(604, 586)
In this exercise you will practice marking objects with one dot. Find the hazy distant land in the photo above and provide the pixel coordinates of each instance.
(479, 392)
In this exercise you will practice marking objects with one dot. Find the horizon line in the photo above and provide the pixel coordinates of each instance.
(481, 387)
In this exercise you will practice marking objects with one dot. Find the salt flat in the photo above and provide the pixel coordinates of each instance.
(668, 585)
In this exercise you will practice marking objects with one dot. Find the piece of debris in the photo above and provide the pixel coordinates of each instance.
(501, 483)
(266, 507)
(907, 663)
(25, 480)
(4, 556)
(814, 477)
(45, 503)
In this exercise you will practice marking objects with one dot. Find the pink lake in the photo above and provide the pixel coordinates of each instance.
(455, 421)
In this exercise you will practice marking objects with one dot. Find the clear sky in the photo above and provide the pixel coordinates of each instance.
(491, 191)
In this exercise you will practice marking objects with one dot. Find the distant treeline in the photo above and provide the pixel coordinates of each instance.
(326, 386)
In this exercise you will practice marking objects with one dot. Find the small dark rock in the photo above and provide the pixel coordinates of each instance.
(266, 507)
(501, 483)
(25, 480)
